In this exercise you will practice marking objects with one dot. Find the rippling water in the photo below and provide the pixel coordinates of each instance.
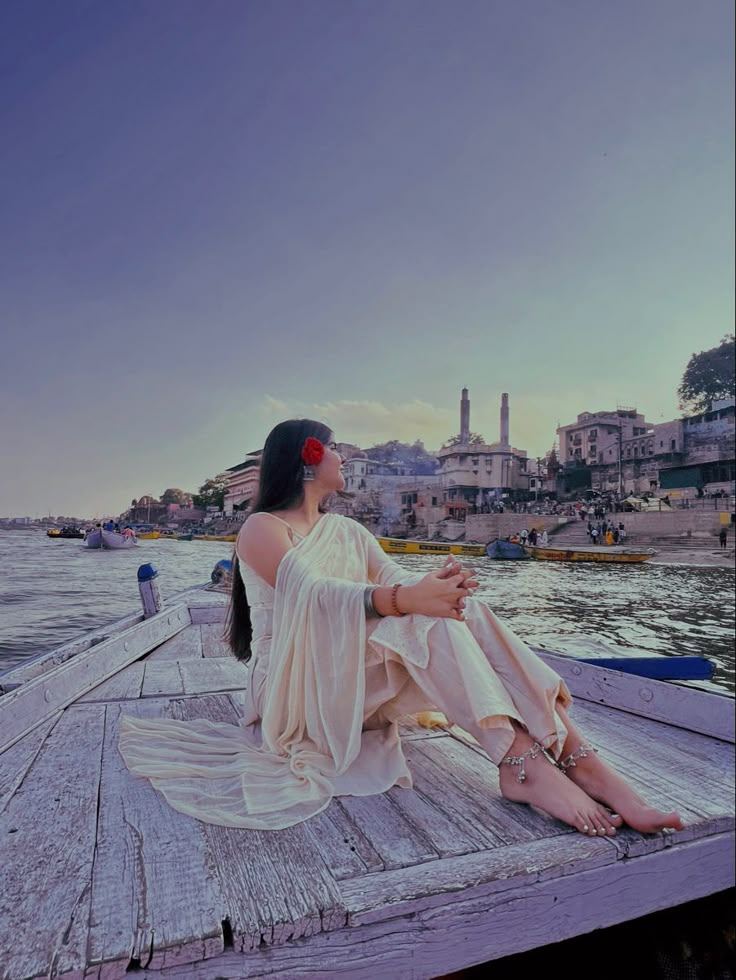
(51, 591)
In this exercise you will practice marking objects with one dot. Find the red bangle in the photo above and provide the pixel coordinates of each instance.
(394, 603)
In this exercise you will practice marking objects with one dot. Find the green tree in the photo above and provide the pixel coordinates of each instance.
(173, 496)
(211, 493)
(411, 454)
(474, 439)
(709, 375)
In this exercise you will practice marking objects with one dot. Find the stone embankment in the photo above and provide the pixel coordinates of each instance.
(688, 536)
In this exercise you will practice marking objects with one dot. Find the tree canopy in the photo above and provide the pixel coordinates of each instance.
(709, 375)
(211, 493)
(173, 496)
(412, 454)
(475, 439)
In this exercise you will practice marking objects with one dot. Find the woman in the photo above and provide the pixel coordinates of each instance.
(341, 643)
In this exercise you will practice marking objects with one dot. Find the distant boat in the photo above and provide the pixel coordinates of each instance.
(401, 546)
(505, 550)
(601, 553)
(214, 537)
(116, 541)
(184, 537)
(93, 538)
(109, 540)
(149, 535)
(65, 532)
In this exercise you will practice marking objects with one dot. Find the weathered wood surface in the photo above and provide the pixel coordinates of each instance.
(213, 643)
(123, 686)
(193, 676)
(671, 768)
(488, 923)
(429, 880)
(48, 833)
(47, 661)
(276, 885)
(155, 900)
(207, 614)
(41, 697)
(684, 707)
(186, 645)
(16, 761)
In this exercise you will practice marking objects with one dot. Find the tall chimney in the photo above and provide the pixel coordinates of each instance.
(504, 419)
(464, 416)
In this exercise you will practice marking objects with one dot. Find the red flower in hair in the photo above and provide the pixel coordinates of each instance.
(313, 452)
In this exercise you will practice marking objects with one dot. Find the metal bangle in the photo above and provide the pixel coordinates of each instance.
(370, 610)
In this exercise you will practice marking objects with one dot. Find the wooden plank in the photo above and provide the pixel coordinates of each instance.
(275, 884)
(41, 697)
(697, 711)
(468, 928)
(345, 850)
(207, 614)
(396, 840)
(162, 678)
(40, 665)
(406, 891)
(708, 775)
(123, 686)
(650, 756)
(465, 781)
(213, 644)
(48, 832)
(15, 762)
(214, 674)
(194, 676)
(154, 898)
(186, 645)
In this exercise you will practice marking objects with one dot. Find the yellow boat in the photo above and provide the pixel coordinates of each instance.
(592, 553)
(215, 537)
(400, 546)
(148, 535)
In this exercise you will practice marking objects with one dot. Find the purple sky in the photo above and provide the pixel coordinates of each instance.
(217, 214)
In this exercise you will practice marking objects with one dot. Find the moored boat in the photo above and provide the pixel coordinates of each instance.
(505, 550)
(401, 546)
(213, 537)
(149, 535)
(599, 553)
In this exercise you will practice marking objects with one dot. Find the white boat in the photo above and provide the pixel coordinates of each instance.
(114, 540)
(93, 538)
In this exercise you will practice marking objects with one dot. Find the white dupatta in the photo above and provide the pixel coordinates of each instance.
(313, 706)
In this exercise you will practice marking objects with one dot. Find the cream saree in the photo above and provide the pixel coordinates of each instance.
(334, 690)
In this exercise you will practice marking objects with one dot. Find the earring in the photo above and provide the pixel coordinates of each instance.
(308, 473)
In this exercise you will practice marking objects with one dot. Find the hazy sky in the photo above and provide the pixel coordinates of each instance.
(217, 214)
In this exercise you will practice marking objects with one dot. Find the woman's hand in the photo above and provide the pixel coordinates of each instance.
(437, 594)
(453, 567)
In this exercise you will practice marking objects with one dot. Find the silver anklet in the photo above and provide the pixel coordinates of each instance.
(581, 752)
(519, 760)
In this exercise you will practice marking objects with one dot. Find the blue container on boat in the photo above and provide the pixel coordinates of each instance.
(148, 588)
(222, 569)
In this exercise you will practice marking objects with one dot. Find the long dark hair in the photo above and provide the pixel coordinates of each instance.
(280, 486)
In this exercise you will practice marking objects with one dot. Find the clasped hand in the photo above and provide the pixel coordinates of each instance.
(443, 593)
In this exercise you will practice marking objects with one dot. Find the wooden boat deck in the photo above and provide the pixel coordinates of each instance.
(99, 874)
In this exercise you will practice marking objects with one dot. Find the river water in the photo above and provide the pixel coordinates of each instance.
(51, 591)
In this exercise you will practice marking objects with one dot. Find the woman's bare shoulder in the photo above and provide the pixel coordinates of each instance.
(261, 529)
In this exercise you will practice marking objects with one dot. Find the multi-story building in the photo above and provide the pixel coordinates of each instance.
(708, 457)
(475, 475)
(242, 483)
(619, 452)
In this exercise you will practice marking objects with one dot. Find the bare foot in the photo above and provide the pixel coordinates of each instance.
(550, 790)
(604, 784)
